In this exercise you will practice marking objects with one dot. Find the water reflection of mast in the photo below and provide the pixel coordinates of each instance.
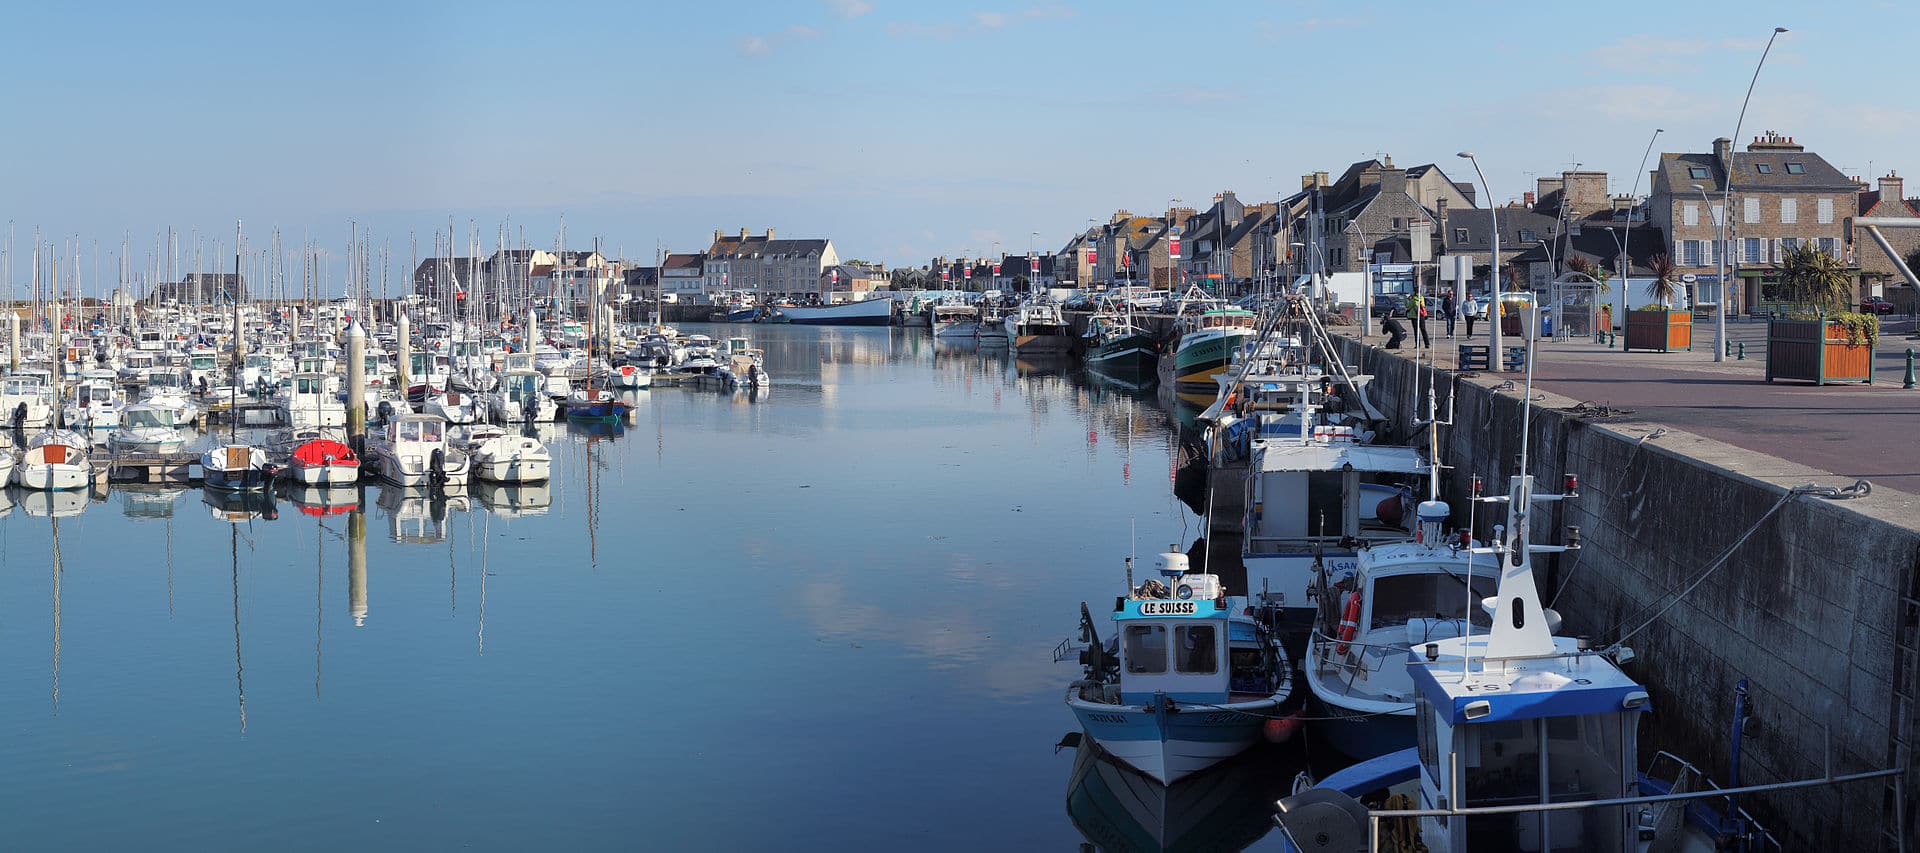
(169, 564)
(239, 668)
(486, 532)
(319, 596)
(593, 507)
(56, 615)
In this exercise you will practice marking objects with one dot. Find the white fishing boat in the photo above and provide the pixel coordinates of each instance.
(414, 451)
(502, 456)
(953, 320)
(146, 429)
(167, 387)
(309, 401)
(96, 403)
(55, 460)
(520, 397)
(877, 311)
(1037, 327)
(1188, 680)
(458, 407)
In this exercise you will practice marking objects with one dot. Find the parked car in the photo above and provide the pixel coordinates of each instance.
(1389, 305)
(1875, 305)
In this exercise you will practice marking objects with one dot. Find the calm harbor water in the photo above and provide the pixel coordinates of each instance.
(815, 620)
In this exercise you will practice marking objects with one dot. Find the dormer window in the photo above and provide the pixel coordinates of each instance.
(1528, 235)
(1698, 173)
(1763, 168)
(1796, 168)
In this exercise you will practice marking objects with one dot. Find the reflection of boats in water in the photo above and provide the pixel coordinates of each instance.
(1225, 807)
(147, 501)
(320, 501)
(53, 503)
(233, 505)
(600, 429)
(418, 514)
(514, 500)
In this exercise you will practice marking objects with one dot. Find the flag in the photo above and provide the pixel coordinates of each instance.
(1093, 255)
(996, 269)
(1173, 247)
(946, 274)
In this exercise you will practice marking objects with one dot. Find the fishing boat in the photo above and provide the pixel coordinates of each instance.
(96, 403)
(1114, 343)
(877, 311)
(458, 407)
(745, 362)
(167, 387)
(1210, 331)
(1226, 807)
(501, 456)
(1036, 327)
(953, 319)
(235, 467)
(1187, 681)
(55, 460)
(414, 451)
(146, 429)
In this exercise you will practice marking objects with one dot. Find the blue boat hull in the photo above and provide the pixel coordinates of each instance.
(742, 315)
(1361, 737)
(612, 410)
(1172, 746)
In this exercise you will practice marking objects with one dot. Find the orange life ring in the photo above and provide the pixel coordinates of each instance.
(1349, 623)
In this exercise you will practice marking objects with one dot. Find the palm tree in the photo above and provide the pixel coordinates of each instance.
(1665, 285)
(1814, 278)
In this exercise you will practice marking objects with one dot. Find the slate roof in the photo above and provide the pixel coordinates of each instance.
(1513, 220)
(1818, 174)
(751, 246)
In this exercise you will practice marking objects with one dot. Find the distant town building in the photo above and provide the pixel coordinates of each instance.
(1783, 197)
(766, 264)
(684, 275)
(1877, 271)
(200, 288)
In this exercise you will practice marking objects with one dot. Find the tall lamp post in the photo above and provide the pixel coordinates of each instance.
(1719, 268)
(1726, 203)
(1495, 362)
(1366, 280)
(1626, 236)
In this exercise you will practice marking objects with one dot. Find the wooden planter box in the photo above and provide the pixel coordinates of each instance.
(1816, 351)
(1663, 331)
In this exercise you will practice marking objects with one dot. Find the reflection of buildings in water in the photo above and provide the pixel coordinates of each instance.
(418, 515)
(1226, 807)
(141, 501)
(514, 500)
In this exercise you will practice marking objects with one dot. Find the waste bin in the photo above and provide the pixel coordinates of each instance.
(1546, 322)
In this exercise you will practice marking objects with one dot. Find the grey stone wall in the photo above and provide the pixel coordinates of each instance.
(1807, 610)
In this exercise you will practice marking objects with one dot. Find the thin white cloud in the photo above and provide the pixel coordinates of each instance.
(755, 46)
(849, 9)
(761, 45)
(979, 22)
(990, 20)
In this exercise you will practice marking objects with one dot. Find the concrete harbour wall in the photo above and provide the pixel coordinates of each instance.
(1816, 610)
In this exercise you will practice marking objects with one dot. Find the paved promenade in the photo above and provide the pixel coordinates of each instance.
(1855, 431)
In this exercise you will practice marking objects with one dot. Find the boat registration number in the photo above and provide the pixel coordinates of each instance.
(1168, 608)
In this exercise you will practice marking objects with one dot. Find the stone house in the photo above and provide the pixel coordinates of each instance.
(683, 274)
(1217, 244)
(1133, 249)
(1878, 275)
(1783, 197)
(1373, 212)
(767, 264)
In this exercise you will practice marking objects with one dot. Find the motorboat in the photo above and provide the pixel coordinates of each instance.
(309, 401)
(26, 400)
(504, 456)
(520, 397)
(55, 460)
(458, 407)
(96, 402)
(235, 467)
(630, 377)
(146, 429)
(320, 459)
(414, 451)
(1188, 679)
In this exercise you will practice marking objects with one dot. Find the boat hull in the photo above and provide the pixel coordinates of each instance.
(324, 475)
(1360, 736)
(514, 470)
(52, 477)
(871, 312)
(1204, 355)
(957, 329)
(1051, 343)
(245, 479)
(1170, 747)
(1133, 353)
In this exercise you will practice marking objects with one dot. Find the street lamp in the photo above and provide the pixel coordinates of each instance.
(1726, 201)
(1494, 360)
(1366, 280)
(1719, 262)
(1626, 237)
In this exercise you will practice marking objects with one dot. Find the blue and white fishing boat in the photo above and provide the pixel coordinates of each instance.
(1189, 679)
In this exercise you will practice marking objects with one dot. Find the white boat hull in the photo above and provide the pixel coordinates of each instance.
(52, 477)
(324, 475)
(514, 470)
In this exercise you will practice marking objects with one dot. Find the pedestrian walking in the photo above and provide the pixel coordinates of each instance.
(1468, 311)
(1417, 312)
(1448, 310)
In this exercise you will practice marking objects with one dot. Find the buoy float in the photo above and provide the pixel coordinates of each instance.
(1349, 623)
(1282, 729)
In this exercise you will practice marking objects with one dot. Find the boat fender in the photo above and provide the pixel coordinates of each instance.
(19, 416)
(1282, 729)
(438, 466)
(1349, 622)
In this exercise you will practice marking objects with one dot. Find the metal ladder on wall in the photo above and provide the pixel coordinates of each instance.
(1896, 806)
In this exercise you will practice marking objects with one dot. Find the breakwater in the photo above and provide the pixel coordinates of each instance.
(1817, 609)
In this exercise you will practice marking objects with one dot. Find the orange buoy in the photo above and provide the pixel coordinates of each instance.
(1349, 622)
(1282, 729)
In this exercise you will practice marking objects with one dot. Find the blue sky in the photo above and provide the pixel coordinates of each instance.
(901, 130)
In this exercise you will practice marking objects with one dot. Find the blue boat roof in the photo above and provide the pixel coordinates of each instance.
(1569, 683)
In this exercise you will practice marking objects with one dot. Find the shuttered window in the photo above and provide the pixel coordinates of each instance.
(1690, 214)
(1824, 211)
(1789, 211)
(1753, 210)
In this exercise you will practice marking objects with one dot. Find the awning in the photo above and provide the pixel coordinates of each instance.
(1334, 457)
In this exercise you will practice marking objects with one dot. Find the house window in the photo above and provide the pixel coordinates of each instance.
(1528, 235)
(1796, 168)
(1823, 211)
(1753, 254)
(1690, 253)
(1753, 210)
(1789, 211)
(1830, 246)
(1396, 223)
(1459, 235)
(1690, 214)
(1787, 245)
(1719, 215)
(1763, 168)
(1697, 172)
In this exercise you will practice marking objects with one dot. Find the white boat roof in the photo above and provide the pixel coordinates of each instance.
(1568, 683)
(1333, 457)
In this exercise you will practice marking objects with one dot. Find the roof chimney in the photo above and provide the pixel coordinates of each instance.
(1892, 186)
(716, 235)
(769, 233)
(743, 233)
(1529, 198)
(1723, 150)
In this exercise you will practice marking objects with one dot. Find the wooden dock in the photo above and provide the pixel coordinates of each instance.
(181, 468)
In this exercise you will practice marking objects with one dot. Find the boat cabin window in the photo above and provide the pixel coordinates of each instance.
(1199, 653)
(144, 419)
(1554, 759)
(309, 386)
(1429, 595)
(1146, 648)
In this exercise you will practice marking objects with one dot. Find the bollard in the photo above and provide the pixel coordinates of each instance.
(1613, 337)
(1729, 349)
(1908, 382)
(1743, 352)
